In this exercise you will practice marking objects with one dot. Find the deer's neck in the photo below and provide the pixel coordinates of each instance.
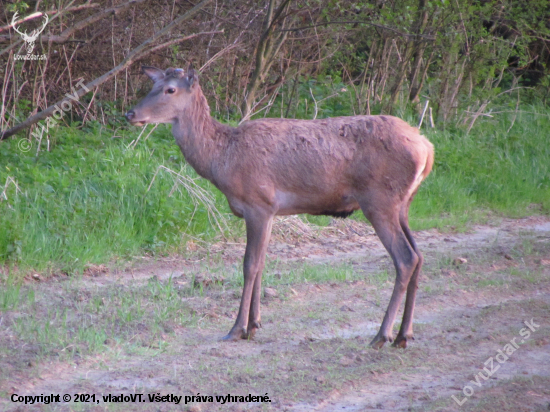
(200, 138)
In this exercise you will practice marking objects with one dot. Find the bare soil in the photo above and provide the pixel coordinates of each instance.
(479, 292)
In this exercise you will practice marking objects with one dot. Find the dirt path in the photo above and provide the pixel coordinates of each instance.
(482, 292)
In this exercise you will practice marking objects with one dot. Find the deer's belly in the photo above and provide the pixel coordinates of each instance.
(332, 204)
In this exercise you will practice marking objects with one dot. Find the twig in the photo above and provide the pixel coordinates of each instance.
(40, 14)
(3, 195)
(319, 101)
(361, 22)
(88, 108)
(267, 106)
(314, 101)
(464, 29)
(29, 17)
(135, 142)
(477, 114)
(515, 116)
(512, 89)
(423, 113)
(197, 193)
(95, 17)
(180, 39)
(218, 54)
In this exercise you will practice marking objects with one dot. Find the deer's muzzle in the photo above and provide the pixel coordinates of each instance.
(131, 117)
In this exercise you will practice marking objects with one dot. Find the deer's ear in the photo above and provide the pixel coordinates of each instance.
(191, 75)
(153, 73)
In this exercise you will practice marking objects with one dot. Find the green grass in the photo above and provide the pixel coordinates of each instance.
(310, 273)
(71, 321)
(11, 295)
(490, 170)
(87, 200)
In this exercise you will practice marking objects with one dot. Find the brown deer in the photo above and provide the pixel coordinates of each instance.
(271, 167)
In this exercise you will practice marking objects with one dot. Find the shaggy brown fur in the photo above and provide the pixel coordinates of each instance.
(274, 167)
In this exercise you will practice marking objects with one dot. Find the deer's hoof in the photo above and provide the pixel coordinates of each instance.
(379, 341)
(401, 341)
(235, 335)
(251, 330)
(250, 335)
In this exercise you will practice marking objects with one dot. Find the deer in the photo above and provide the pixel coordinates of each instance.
(274, 167)
(29, 39)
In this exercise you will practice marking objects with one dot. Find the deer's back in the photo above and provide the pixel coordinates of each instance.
(325, 159)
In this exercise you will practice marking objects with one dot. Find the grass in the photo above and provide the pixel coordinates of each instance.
(491, 170)
(9, 295)
(94, 198)
(153, 332)
(70, 321)
(278, 274)
(310, 273)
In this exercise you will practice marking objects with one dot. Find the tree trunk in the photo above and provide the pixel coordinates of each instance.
(415, 48)
(267, 49)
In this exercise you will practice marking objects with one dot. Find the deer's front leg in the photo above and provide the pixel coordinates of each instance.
(258, 232)
(254, 318)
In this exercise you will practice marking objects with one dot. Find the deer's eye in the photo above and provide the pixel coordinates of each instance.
(171, 90)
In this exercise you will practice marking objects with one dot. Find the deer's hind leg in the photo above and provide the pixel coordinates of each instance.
(384, 214)
(406, 331)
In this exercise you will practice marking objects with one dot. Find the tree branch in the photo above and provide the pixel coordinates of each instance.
(360, 22)
(40, 14)
(29, 17)
(6, 38)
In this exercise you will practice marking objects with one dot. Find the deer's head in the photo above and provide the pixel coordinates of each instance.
(30, 39)
(171, 94)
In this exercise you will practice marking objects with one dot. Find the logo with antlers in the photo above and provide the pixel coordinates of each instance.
(30, 39)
